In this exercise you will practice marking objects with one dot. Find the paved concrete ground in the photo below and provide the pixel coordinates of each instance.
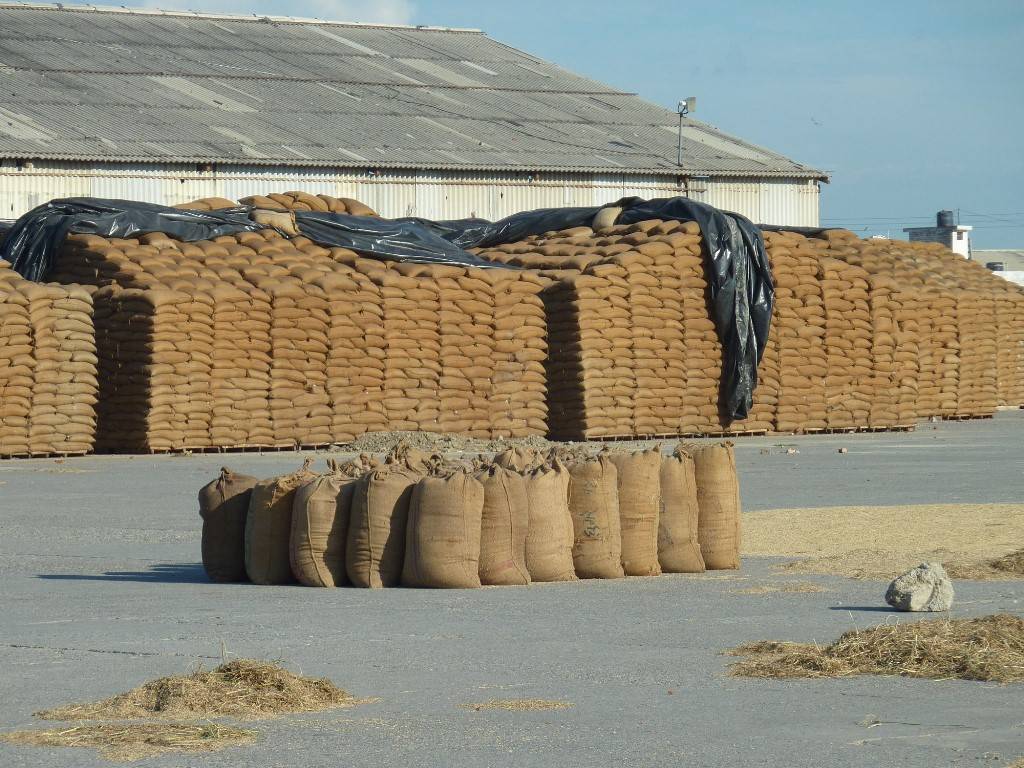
(101, 590)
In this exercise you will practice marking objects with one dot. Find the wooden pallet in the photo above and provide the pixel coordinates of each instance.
(678, 436)
(46, 455)
(889, 428)
(966, 416)
(206, 449)
(855, 430)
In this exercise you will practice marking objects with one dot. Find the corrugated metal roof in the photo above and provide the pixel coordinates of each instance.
(98, 84)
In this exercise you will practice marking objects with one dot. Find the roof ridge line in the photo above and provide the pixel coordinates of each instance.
(264, 18)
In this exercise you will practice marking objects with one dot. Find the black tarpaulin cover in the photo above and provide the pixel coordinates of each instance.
(738, 274)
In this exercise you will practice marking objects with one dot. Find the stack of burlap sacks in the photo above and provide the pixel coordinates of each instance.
(962, 322)
(258, 339)
(421, 521)
(262, 339)
(866, 334)
(633, 348)
(285, 201)
(48, 379)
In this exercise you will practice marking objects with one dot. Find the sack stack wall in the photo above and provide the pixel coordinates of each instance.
(258, 339)
(866, 334)
(634, 351)
(1010, 345)
(798, 322)
(48, 375)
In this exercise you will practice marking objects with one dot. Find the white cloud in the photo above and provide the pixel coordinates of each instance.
(370, 11)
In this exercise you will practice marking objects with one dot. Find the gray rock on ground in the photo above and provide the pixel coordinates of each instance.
(924, 588)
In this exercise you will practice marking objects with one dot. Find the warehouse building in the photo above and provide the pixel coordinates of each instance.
(414, 121)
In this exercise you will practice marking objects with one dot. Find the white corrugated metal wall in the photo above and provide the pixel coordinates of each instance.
(430, 194)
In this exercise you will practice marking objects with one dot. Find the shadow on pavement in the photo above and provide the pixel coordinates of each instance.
(172, 573)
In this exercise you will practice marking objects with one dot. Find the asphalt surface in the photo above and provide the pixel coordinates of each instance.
(102, 590)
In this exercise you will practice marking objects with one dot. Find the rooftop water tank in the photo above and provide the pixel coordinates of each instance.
(944, 219)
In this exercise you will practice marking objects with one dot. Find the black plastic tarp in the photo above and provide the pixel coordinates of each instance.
(805, 231)
(742, 293)
(34, 242)
(738, 274)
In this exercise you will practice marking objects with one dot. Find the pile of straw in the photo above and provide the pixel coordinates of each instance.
(990, 648)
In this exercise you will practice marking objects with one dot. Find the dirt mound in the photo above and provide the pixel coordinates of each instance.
(880, 542)
(124, 742)
(519, 705)
(990, 648)
(243, 688)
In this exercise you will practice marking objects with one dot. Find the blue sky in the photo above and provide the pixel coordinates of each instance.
(911, 106)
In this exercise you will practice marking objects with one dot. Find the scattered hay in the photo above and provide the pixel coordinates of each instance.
(1012, 563)
(881, 542)
(1009, 566)
(124, 742)
(990, 648)
(519, 705)
(789, 587)
(243, 688)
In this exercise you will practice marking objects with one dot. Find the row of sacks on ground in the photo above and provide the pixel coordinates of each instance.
(420, 520)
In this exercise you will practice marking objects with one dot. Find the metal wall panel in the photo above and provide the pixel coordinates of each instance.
(429, 194)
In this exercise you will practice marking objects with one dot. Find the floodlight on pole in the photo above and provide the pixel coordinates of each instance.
(685, 107)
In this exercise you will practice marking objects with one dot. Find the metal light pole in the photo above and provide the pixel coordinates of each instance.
(685, 107)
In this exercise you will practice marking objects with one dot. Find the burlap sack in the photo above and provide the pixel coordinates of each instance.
(503, 527)
(268, 528)
(375, 548)
(320, 519)
(718, 499)
(443, 536)
(224, 505)
(549, 536)
(638, 479)
(519, 459)
(678, 546)
(594, 506)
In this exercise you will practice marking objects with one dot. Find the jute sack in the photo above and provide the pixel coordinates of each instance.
(594, 506)
(678, 546)
(520, 459)
(320, 517)
(224, 505)
(504, 524)
(639, 498)
(443, 535)
(376, 535)
(268, 527)
(549, 534)
(718, 501)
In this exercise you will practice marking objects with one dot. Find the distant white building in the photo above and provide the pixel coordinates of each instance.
(1006, 263)
(956, 237)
